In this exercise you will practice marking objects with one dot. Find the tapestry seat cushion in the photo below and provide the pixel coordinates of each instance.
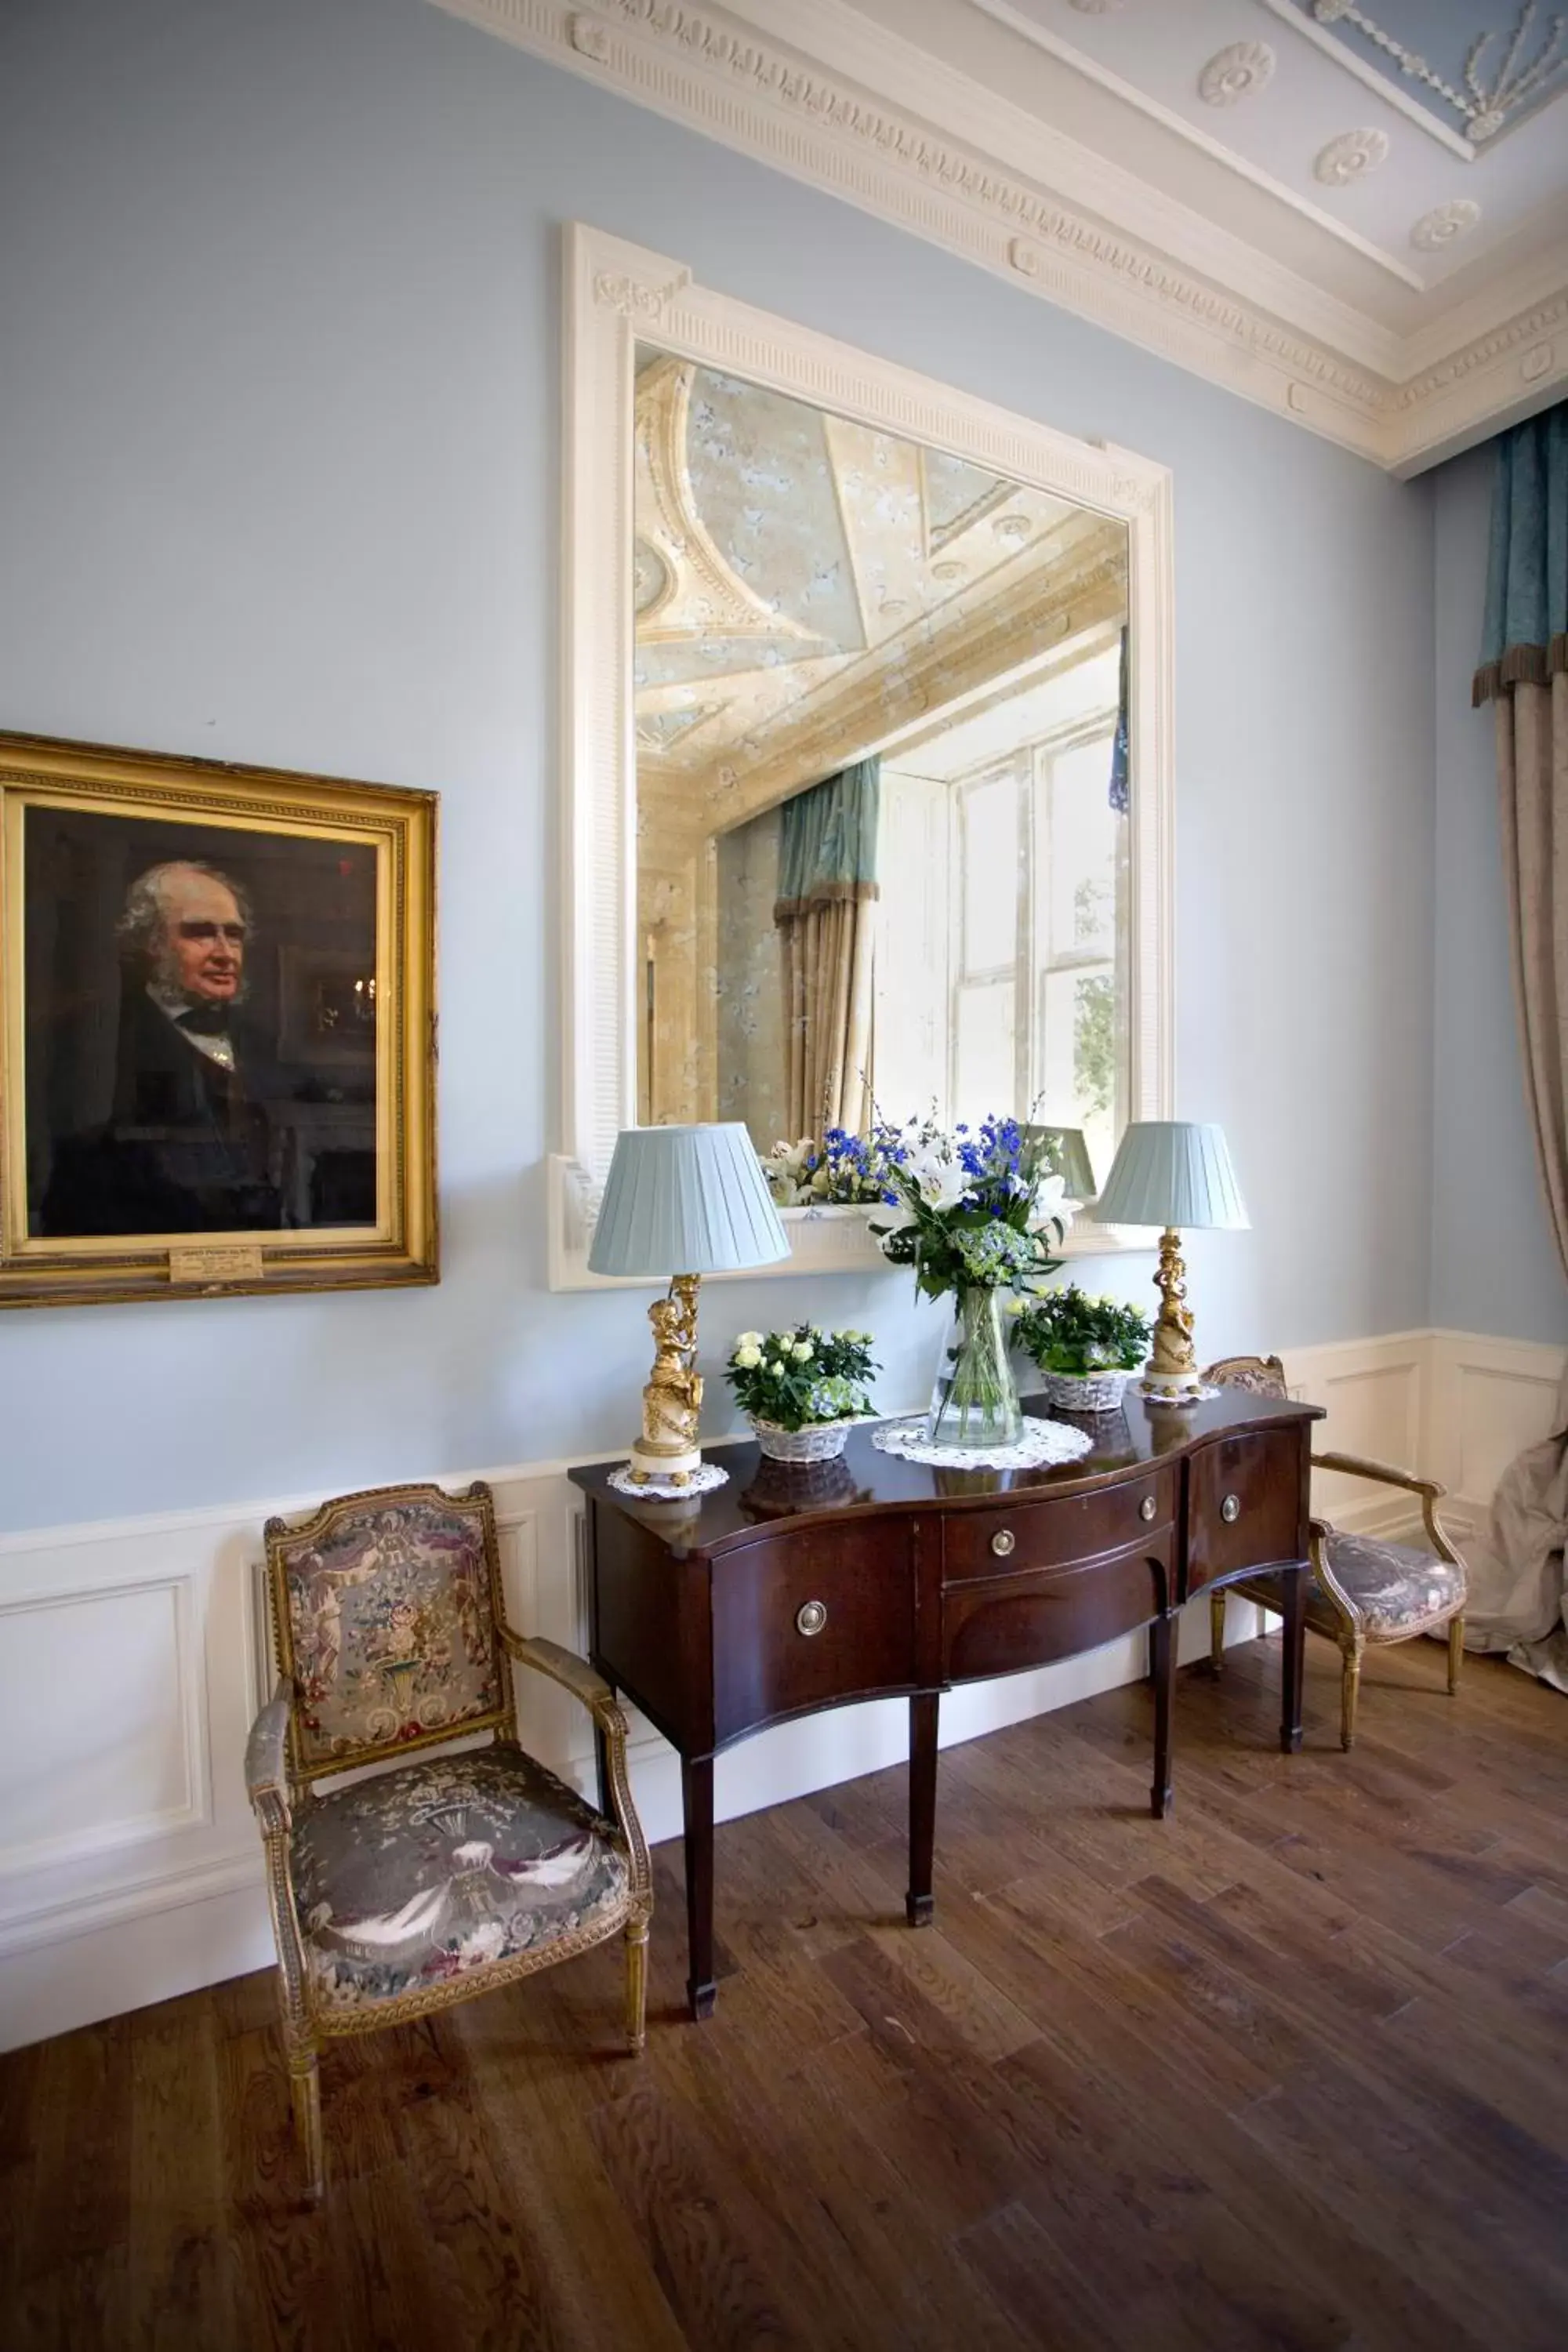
(443, 1868)
(1397, 1590)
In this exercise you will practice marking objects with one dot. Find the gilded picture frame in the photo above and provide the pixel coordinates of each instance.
(217, 1028)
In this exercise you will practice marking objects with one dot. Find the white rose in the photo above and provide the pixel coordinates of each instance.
(775, 1372)
(748, 1340)
(802, 1351)
(748, 1359)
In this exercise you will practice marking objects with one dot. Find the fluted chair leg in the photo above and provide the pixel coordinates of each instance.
(305, 2084)
(1350, 1691)
(637, 1984)
(1216, 1632)
(1456, 1652)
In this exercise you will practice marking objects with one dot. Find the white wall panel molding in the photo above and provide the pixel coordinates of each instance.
(1491, 1399)
(870, 118)
(145, 1879)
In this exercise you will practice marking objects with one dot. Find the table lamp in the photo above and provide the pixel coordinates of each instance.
(681, 1201)
(1172, 1173)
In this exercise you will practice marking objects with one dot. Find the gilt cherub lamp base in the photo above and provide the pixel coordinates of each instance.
(1170, 1376)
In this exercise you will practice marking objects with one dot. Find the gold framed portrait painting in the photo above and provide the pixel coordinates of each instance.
(217, 1028)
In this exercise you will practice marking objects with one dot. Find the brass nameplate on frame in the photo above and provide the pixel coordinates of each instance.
(220, 1262)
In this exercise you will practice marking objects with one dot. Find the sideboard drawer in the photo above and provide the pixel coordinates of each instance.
(995, 1628)
(1246, 1503)
(810, 1617)
(1041, 1531)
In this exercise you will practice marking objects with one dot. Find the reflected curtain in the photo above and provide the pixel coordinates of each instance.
(1517, 1598)
(828, 880)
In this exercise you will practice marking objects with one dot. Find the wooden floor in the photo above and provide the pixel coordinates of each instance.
(1287, 2070)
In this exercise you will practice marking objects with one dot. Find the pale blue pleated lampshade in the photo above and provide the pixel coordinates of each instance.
(1171, 1171)
(686, 1199)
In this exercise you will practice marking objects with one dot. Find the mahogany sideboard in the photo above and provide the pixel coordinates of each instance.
(791, 1589)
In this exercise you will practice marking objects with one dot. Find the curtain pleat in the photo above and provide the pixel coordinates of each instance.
(828, 880)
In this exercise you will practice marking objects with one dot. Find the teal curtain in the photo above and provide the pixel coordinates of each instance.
(1525, 634)
(827, 840)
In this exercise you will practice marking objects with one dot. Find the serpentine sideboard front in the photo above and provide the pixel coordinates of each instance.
(788, 1591)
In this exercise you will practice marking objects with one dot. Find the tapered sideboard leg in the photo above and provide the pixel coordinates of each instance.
(1162, 1672)
(920, 1903)
(696, 1797)
(1295, 1656)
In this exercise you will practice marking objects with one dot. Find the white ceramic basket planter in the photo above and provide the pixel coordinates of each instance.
(820, 1441)
(1085, 1391)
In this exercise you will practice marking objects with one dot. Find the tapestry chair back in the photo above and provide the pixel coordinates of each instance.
(385, 1609)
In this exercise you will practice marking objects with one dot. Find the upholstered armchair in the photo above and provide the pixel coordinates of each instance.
(1363, 1592)
(459, 1871)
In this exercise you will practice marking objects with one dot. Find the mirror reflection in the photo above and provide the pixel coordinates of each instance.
(882, 777)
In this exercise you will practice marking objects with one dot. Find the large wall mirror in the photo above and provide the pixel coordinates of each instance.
(869, 796)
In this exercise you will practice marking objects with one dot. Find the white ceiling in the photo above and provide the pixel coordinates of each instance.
(1299, 108)
(1354, 214)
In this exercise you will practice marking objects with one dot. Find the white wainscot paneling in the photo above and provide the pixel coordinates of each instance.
(101, 1698)
(1375, 1395)
(1490, 1399)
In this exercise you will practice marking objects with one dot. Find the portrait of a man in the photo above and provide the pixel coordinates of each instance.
(199, 1061)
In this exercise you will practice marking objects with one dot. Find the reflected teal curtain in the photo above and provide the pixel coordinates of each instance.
(827, 878)
(828, 839)
(1525, 637)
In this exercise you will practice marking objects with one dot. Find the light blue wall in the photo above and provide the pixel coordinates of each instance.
(278, 482)
(1494, 1264)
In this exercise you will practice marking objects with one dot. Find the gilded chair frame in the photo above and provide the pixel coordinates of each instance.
(1268, 1372)
(280, 1783)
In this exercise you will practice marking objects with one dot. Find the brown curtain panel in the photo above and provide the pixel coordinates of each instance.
(1518, 1587)
(1532, 782)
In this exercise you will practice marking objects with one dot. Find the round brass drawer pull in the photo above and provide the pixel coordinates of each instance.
(1230, 1509)
(1147, 1508)
(810, 1617)
(1003, 1542)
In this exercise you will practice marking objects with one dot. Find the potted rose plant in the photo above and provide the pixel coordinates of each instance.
(802, 1390)
(1087, 1348)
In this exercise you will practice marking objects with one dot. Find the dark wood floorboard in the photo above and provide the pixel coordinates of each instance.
(1285, 2072)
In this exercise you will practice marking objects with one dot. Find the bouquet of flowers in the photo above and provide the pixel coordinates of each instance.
(842, 1170)
(1068, 1331)
(969, 1211)
(801, 1379)
(975, 1213)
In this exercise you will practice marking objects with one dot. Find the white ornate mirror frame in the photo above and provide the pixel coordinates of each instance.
(617, 294)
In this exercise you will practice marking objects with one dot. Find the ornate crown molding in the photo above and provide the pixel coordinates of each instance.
(754, 95)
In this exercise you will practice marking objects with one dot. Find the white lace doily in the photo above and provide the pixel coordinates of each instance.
(1042, 1442)
(702, 1480)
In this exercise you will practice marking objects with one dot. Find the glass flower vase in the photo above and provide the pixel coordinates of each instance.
(975, 1401)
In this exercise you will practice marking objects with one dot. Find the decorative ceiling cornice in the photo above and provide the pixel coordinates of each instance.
(725, 79)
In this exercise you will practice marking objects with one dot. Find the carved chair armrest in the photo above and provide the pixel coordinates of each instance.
(562, 1667)
(1356, 1466)
(575, 1675)
(266, 1768)
(1318, 1534)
